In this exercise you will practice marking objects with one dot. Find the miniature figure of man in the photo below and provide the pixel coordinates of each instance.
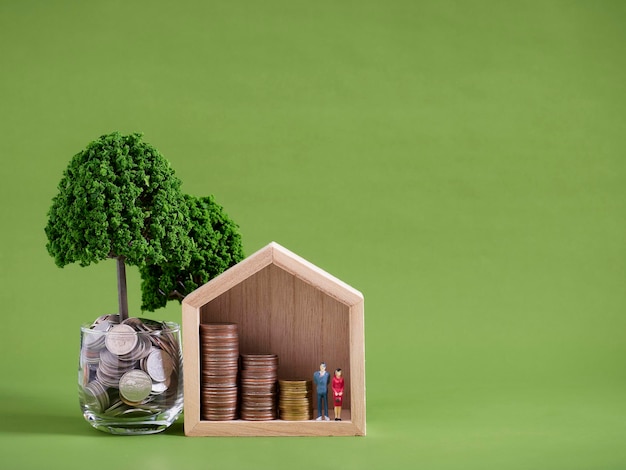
(337, 386)
(321, 379)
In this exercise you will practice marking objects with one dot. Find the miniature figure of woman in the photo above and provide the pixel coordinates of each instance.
(337, 386)
(321, 379)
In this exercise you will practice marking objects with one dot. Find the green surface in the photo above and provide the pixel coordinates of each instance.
(460, 163)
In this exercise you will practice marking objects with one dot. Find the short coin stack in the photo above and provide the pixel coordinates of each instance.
(128, 368)
(295, 400)
(219, 344)
(258, 386)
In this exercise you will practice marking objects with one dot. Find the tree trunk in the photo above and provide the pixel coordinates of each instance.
(122, 295)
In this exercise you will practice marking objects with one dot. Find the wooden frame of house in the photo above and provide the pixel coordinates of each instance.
(283, 305)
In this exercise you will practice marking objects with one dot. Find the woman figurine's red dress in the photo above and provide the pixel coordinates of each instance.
(337, 386)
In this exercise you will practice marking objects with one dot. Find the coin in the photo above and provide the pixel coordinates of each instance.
(95, 341)
(219, 350)
(121, 339)
(140, 351)
(104, 362)
(135, 386)
(295, 400)
(96, 396)
(258, 386)
(159, 365)
(159, 387)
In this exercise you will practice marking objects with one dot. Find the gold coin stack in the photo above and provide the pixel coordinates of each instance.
(258, 386)
(295, 400)
(220, 359)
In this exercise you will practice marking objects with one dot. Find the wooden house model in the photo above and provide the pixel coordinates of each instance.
(286, 306)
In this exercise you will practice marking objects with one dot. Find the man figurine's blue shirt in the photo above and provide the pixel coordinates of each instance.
(321, 382)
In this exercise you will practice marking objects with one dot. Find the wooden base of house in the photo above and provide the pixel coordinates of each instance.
(277, 427)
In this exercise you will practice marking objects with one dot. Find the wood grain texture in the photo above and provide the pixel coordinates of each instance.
(283, 305)
(191, 366)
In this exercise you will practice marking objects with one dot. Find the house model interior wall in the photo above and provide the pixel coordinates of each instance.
(282, 305)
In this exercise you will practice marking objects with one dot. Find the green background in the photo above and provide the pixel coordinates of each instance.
(460, 163)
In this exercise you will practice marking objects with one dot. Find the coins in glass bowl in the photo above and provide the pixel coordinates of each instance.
(258, 386)
(128, 367)
(295, 400)
(219, 351)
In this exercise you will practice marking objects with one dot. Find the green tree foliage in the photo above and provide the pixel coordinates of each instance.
(217, 246)
(119, 198)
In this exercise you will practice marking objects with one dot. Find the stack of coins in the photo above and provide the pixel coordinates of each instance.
(295, 400)
(128, 367)
(219, 344)
(258, 386)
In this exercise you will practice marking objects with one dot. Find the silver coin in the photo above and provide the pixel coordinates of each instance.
(107, 380)
(159, 387)
(166, 342)
(96, 396)
(113, 364)
(121, 339)
(94, 339)
(159, 365)
(100, 319)
(136, 323)
(135, 386)
(141, 350)
(114, 408)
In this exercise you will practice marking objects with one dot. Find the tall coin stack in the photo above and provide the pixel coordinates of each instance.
(258, 386)
(295, 400)
(220, 359)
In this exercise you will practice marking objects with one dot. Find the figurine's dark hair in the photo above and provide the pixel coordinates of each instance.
(338, 370)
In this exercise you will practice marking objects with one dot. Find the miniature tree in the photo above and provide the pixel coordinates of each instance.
(119, 199)
(217, 246)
